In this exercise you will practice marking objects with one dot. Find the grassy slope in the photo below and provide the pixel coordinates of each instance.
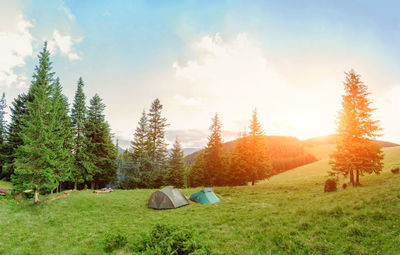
(287, 214)
(4, 184)
(321, 151)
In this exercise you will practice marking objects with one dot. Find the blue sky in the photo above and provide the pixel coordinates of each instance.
(286, 58)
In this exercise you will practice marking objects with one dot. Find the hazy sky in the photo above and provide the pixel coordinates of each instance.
(285, 58)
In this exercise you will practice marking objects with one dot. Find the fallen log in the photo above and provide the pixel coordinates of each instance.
(65, 194)
(104, 190)
(3, 191)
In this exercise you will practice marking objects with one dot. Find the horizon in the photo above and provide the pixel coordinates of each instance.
(288, 61)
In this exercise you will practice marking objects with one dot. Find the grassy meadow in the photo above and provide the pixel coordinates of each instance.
(288, 214)
(4, 184)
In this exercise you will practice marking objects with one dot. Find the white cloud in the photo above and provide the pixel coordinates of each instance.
(234, 76)
(15, 47)
(67, 11)
(63, 44)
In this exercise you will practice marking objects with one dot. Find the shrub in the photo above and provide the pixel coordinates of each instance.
(395, 170)
(164, 239)
(330, 185)
(344, 185)
(113, 241)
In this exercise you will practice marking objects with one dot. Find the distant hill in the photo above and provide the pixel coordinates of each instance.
(317, 171)
(188, 151)
(331, 139)
(286, 152)
(323, 146)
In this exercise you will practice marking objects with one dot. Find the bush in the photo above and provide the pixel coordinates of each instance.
(113, 241)
(164, 239)
(330, 185)
(395, 170)
(344, 185)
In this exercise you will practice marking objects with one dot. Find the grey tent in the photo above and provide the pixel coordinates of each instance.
(167, 198)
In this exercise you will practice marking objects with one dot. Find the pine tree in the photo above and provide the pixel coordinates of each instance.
(3, 132)
(140, 145)
(259, 166)
(82, 170)
(176, 167)
(239, 167)
(101, 148)
(140, 150)
(157, 125)
(355, 153)
(62, 145)
(35, 160)
(197, 176)
(215, 161)
(18, 110)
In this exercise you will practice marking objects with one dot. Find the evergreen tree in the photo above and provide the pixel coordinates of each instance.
(101, 148)
(197, 176)
(140, 149)
(140, 145)
(18, 110)
(259, 166)
(176, 167)
(35, 160)
(355, 153)
(82, 170)
(3, 132)
(240, 161)
(215, 160)
(62, 145)
(157, 125)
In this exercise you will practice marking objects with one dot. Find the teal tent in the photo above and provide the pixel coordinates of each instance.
(204, 196)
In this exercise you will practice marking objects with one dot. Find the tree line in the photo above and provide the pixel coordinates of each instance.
(250, 161)
(47, 144)
(147, 165)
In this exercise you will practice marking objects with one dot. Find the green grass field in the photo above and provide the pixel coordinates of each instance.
(288, 214)
(4, 184)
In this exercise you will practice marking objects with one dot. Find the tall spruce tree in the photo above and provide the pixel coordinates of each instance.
(82, 170)
(176, 169)
(259, 166)
(355, 153)
(35, 160)
(240, 161)
(3, 133)
(140, 150)
(215, 160)
(18, 110)
(157, 125)
(101, 147)
(196, 173)
(62, 145)
(140, 145)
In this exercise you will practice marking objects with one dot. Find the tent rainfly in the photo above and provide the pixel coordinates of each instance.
(167, 198)
(204, 196)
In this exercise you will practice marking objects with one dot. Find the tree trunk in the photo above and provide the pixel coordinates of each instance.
(92, 185)
(358, 178)
(60, 186)
(252, 182)
(51, 192)
(351, 177)
(36, 196)
(75, 185)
